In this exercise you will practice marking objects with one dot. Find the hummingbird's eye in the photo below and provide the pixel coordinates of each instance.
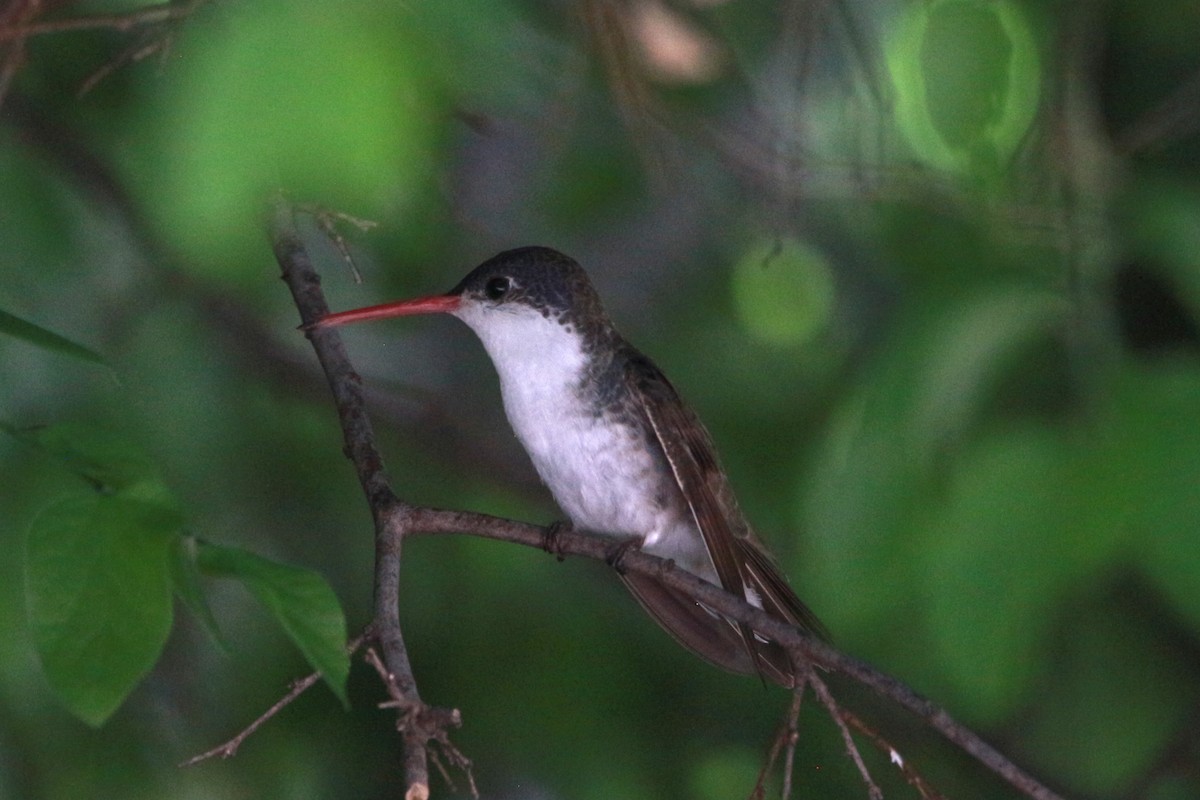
(496, 288)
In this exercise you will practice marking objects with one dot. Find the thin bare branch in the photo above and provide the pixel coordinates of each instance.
(135, 52)
(572, 542)
(793, 738)
(914, 778)
(835, 713)
(327, 220)
(785, 736)
(150, 15)
(156, 25)
(13, 57)
(419, 724)
(229, 749)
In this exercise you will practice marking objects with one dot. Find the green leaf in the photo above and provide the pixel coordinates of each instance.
(185, 576)
(1105, 748)
(969, 347)
(926, 395)
(99, 597)
(991, 554)
(100, 456)
(1155, 447)
(47, 340)
(301, 600)
(1030, 516)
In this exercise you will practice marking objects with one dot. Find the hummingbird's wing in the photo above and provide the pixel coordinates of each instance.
(742, 564)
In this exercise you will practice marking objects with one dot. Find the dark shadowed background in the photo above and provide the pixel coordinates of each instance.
(929, 272)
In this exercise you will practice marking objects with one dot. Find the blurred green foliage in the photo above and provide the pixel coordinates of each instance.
(101, 564)
(47, 340)
(783, 292)
(929, 271)
(967, 83)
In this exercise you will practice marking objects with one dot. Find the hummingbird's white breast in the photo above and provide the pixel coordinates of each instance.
(599, 469)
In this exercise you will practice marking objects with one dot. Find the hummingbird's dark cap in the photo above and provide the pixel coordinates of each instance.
(539, 277)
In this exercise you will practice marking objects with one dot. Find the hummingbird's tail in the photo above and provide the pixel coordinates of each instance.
(720, 641)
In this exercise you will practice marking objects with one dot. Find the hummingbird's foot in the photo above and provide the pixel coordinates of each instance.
(616, 554)
(550, 542)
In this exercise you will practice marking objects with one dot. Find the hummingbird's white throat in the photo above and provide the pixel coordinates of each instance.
(523, 342)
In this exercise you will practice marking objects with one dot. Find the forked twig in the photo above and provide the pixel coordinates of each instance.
(787, 735)
(229, 748)
(150, 15)
(414, 719)
(835, 712)
(327, 220)
(910, 774)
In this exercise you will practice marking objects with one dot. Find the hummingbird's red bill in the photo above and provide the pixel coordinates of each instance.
(437, 304)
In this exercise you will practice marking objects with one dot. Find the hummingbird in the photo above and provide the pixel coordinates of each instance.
(618, 448)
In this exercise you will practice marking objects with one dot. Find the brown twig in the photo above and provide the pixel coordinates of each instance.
(229, 749)
(14, 17)
(787, 735)
(150, 15)
(19, 23)
(143, 48)
(793, 738)
(835, 713)
(418, 723)
(571, 542)
(327, 221)
(445, 719)
(910, 774)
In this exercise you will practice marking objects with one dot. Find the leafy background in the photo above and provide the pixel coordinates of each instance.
(929, 271)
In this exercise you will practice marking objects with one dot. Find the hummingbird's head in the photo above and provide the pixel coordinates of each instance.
(526, 280)
(531, 302)
(532, 305)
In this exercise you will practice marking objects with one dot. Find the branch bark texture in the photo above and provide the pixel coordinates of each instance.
(417, 723)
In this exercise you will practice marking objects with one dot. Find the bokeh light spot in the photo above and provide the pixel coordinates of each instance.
(783, 291)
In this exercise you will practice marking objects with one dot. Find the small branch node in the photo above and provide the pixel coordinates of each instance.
(327, 220)
(551, 543)
(615, 557)
(423, 724)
